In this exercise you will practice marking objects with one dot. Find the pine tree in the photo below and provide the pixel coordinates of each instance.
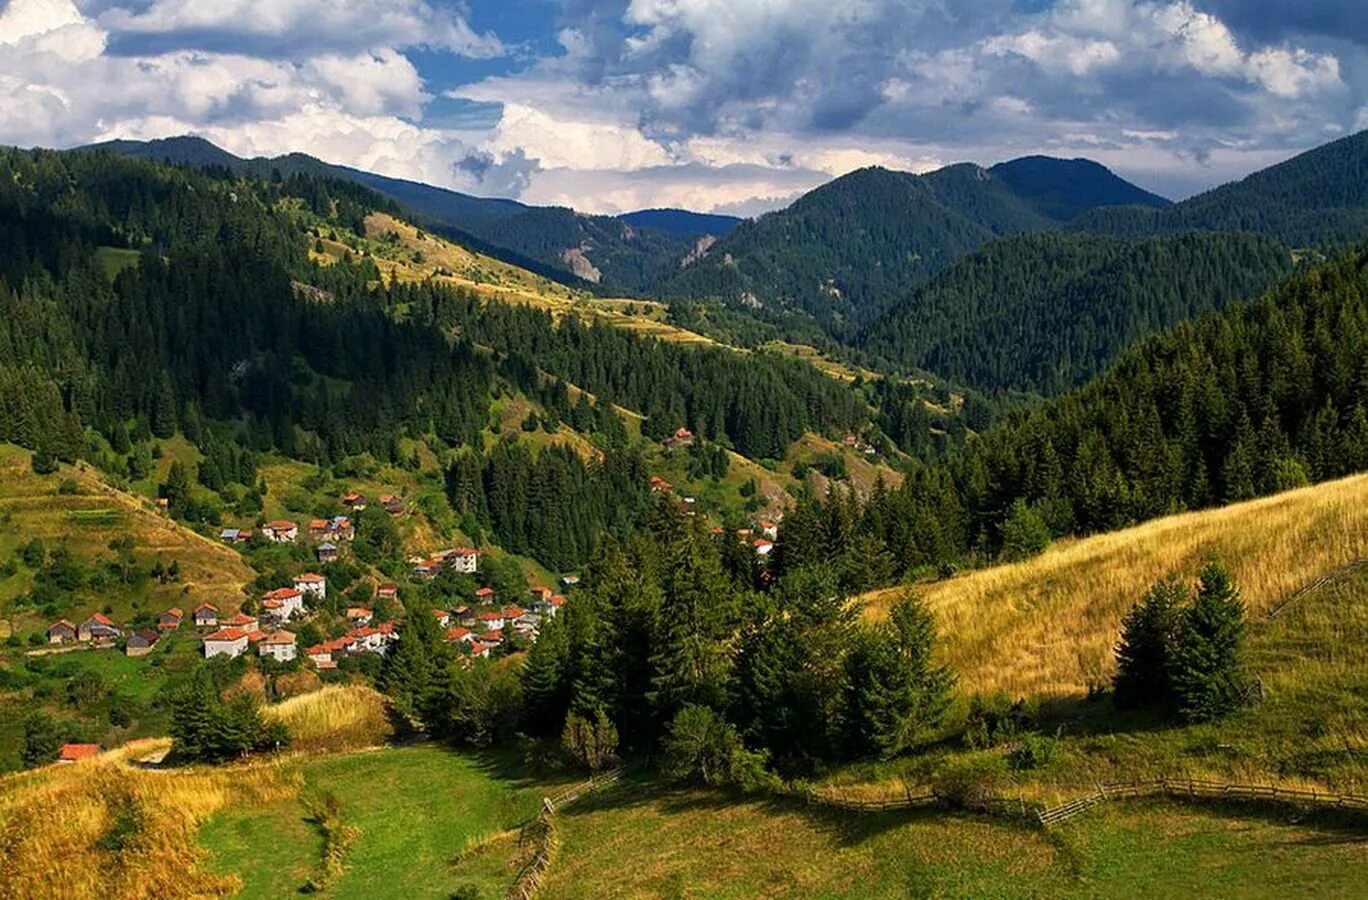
(1144, 656)
(1206, 665)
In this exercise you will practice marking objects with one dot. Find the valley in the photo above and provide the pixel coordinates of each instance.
(352, 545)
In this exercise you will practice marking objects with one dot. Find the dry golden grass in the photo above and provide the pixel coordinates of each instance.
(1048, 626)
(101, 828)
(338, 717)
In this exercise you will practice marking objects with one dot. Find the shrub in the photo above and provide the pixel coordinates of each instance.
(699, 746)
(969, 783)
(995, 719)
(1032, 751)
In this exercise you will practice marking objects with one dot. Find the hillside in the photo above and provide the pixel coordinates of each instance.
(1064, 189)
(855, 243)
(1048, 625)
(1317, 198)
(620, 253)
(1045, 312)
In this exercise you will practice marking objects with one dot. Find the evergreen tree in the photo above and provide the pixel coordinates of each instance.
(1144, 657)
(1206, 668)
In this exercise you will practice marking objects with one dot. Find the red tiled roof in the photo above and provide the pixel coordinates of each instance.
(174, 611)
(489, 616)
(280, 525)
(282, 594)
(318, 524)
(484, 592)
(492, 637)
(226, 634)
(512, 612)
(281, 637)
(308, 578)
(455, 634)
(74, 752)
(101, 618)
(254, 636)
(239, 619)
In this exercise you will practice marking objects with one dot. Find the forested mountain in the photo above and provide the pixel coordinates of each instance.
(1250, 400)
(1046, 311)
(1317, 198)
(873, 235)
(214, 327)
(616, 252)
(1065, 188)
(681, 221)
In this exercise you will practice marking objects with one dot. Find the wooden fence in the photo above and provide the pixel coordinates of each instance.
(541, 831)
(1189, 788)
(1338, 575)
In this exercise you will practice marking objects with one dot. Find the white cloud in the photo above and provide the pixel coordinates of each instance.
(1056, 53)
(357, 24)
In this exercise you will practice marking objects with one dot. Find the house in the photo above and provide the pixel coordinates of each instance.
(540, 594)
(321, 656)
(569, 581)
(557, 601)
(490, 621)
(769, 529)
(392, 504)
(527, 625)
(278, 645)
(140, 643)
(763, 547)
(465, 616)
(682, 437)
(464, 560)
(311, 584)
(206, 616)
(280, 531)
(850, 440)
(229, 535)
(660, 485)
(354, 501)
(73, 753)
(170, 620)
(230, 642)
(97, 628)
(484, 595)
(340, 528)
(387, 591)
(492, 637)
(512, 612)
(281, 605)
(326, 552)
(427, 569)
(61, 632)
(318, 529)
(442, 616)
(459, 635)
(480, 649)
(358, 616)
(689, 506)
(242, 622)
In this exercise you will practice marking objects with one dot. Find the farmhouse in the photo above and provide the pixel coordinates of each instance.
(427, 569)
(464, 560)
(491, 621)
(230, 642)
(763, 547)
(241, 622)
(61, 632)
(480, 649)
(465, 616)
(387, 591)
(140, 643)
(318, 529)
(278, 645)
(97, 628)
(358, 616)
(72, 753)
(282, 604)
(392, 504)
(326, 552)
(569, 581)
(280, 531)
(321, 655)
(459, 635)
(342, 529)
(206, 616)
(170, 620)
(442, 616)
(354, 501)
(232, 536)
(682, 437)
(540, 594)
(484, 595)
(660, 485)
(312, 584)
(769, 529)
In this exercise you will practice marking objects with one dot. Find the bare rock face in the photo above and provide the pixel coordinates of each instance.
(578, 261)
(699, 251)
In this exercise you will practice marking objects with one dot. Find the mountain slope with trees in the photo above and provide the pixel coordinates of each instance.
(1045, 312)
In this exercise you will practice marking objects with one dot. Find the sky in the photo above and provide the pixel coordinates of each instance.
(732, 106)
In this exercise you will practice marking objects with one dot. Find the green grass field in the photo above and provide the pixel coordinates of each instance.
(640, 842)
(416, 809)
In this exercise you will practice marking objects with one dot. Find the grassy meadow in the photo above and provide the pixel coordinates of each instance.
(1049, 625)
(641, 841)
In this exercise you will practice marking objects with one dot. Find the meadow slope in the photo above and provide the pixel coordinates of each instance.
(1049, 625)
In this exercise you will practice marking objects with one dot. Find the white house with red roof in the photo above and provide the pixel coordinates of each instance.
(490, 621)
(357, 616)
(387, 590)
(484, 595)
(311, 584)
(459, 635)
(763, 547)
(282, 604)
(280, 531)
(230, 642)
(442, 616)
(463, 560)
(480, 649)
(278, 645)
(242, 622)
